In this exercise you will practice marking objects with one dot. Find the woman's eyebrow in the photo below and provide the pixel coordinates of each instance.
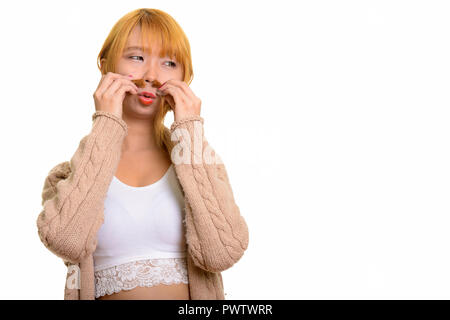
(135, 48)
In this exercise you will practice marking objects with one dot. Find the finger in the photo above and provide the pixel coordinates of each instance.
(112, 88)
(106, 82)
(183, 86)
(109, 78)
(177, 94)
(123, 82)
(116, 85)
(126, 89)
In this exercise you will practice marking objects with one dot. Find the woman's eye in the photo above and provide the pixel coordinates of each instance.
(173, 64)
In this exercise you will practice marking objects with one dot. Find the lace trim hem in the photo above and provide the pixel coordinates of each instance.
(142, 273)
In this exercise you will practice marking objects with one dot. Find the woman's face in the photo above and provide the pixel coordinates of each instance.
(142, 66)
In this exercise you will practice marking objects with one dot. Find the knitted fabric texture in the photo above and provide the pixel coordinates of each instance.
(73, 198)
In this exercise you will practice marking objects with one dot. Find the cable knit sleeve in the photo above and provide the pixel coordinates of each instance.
(217, 234)
(74, 191)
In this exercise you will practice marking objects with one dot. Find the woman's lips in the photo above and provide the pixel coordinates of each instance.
(145, 101)
(146, 97)
(148, 94)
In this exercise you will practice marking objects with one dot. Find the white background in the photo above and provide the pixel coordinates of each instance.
(332, 118)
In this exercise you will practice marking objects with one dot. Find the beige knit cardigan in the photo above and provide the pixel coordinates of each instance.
(73, 209)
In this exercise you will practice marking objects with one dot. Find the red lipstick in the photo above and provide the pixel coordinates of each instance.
(147, 94)
(145, 101)
(146, 98)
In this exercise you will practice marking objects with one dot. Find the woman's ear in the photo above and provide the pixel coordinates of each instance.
(102, 65)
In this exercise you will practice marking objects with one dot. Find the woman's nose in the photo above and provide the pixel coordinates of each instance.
(150, 73)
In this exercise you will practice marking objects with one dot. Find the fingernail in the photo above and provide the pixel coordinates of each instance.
(162, 85)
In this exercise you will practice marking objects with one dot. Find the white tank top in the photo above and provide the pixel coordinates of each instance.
(141, 223)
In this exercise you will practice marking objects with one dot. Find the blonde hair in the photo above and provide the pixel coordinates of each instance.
(156, 25)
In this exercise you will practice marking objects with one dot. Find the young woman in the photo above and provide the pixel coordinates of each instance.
(141, 211)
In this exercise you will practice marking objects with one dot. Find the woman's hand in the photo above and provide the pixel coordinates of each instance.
(180, 98)
(111, 91)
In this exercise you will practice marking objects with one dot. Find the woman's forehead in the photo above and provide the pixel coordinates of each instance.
(152, 41)
(149, 45)
(143, 44)
(150, 38)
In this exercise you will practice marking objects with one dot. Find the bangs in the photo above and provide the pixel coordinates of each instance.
(154, 35)
(154, 32)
